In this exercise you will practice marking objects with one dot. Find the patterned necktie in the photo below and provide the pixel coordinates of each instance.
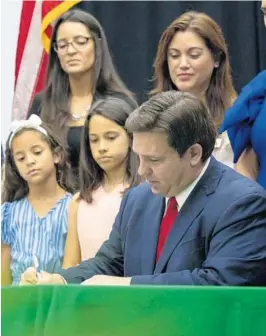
(166, 224)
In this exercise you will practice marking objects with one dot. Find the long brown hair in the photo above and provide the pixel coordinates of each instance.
(55, 104)
(221, 92)
(91, 174)
(15, 187)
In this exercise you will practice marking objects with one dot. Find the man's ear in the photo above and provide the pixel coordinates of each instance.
(195, 152)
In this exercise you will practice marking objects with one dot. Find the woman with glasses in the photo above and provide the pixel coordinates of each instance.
(80, 71)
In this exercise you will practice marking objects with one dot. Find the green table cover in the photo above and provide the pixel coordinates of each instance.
(133, 311)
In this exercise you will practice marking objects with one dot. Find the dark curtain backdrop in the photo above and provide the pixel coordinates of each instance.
(133, 29)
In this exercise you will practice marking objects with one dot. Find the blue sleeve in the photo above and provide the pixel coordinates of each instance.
(5, 223)
(239, 118)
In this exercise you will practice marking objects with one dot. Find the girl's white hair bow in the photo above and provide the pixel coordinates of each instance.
(34, 122)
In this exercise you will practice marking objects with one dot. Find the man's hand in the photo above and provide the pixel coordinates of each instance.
(106, 280)
(29, 277)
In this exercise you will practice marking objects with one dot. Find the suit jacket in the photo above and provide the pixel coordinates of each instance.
(218, 238)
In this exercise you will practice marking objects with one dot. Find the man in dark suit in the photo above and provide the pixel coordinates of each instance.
(194, 221)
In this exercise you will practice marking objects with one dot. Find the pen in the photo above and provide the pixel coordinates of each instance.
(36, 266)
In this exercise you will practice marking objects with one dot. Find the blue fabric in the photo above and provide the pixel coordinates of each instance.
(245, 123)
(28, 235)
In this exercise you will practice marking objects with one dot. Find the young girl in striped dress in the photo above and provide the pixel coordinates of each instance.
(35, 199)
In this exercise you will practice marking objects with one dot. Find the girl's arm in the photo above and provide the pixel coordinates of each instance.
(6, 277)
(72, 249)
(248, 164)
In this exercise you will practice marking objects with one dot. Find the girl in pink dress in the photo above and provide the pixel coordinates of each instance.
(108, 167)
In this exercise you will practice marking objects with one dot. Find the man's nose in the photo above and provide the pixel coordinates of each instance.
(143, 169)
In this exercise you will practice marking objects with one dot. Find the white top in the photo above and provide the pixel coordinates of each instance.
(223, 151)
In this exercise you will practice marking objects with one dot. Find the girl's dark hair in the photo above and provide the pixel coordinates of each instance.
(221, 93)
(55, 104)
(91, 174)
(15, 187)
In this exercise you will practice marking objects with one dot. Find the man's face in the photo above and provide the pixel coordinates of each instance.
(167, 173)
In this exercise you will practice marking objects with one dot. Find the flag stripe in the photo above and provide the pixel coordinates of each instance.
(47, 6)
(29, 68)
(25, 21)
(54, 13)
(32, 56)
(39, 82)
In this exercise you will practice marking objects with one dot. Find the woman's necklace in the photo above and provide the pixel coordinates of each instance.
(77, 117)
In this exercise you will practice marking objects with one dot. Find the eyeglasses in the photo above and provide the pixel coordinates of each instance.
(78, 43)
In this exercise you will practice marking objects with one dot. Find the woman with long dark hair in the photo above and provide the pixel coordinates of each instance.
(80, 71)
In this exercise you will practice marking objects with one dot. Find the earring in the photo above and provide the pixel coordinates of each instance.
(216, 64)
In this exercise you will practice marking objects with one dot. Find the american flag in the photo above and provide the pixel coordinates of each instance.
(33, 46)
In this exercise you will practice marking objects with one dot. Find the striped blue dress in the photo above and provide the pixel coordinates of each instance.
(29, 235)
